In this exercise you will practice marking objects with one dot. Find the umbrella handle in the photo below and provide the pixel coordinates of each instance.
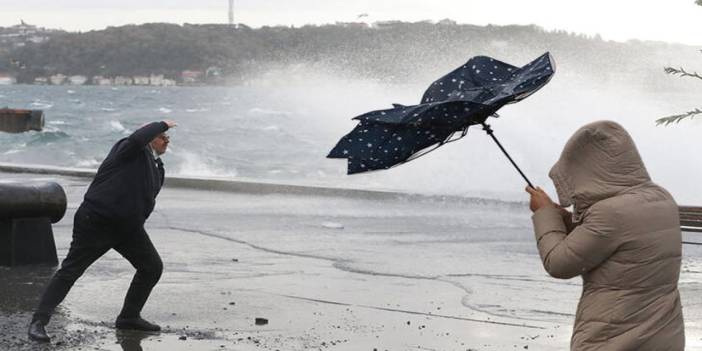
(488, 130)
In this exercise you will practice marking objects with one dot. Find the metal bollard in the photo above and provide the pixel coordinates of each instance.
(26, 214)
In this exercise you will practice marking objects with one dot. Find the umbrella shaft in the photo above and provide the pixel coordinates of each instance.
(488, 130)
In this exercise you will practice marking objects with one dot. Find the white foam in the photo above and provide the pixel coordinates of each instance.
(117, 126)
(42, 104)
(191, 110)
(192, 164)
(332, 225)
(164, 110)
(262, 111)
(87, 164)
(51, 129)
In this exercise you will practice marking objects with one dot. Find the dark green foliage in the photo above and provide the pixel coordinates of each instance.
(398, 51)
(679, 117)
(681, 72)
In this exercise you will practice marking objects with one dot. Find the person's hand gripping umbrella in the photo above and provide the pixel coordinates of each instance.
(466, 96)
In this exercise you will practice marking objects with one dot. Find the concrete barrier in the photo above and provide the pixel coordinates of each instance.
(254, 186)
(26, 213)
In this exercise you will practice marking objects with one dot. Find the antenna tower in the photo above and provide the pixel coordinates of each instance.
(231, 12)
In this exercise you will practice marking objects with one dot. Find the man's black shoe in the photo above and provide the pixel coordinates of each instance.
(37, 332)
(136, 324)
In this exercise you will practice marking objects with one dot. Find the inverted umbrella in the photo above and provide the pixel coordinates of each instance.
(466, 96)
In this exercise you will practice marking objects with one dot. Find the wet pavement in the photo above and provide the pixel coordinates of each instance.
(326, 272)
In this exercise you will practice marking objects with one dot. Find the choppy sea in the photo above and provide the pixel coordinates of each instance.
(282, 129)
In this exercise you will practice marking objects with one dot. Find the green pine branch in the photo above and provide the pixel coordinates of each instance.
(677, 118)
(682, 72)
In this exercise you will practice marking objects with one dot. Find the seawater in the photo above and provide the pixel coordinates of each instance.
(282, 129)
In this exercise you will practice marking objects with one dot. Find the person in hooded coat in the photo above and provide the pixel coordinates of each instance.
(623, 237)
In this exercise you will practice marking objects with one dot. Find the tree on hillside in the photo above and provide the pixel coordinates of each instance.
(682, 73)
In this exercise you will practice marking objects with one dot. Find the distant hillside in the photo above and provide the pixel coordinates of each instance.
(394, 51)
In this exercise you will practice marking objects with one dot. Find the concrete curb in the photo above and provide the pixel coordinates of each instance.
(251, 186)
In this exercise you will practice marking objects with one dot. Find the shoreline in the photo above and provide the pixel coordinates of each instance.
(255, 186)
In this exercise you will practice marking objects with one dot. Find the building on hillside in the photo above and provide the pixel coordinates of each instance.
(41, 81)
(21, 34)
(213, 71)
(140, 80)
(156, 80)
(191, 77)
(57, 79)
(352, 24)
(386, 24)
(77, 80)
(37, 39)
(6, 79)
(120, 80)
(103, 81)
(447, 22)
(213, 74)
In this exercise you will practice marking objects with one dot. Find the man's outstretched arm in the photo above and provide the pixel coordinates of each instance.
(143, 136)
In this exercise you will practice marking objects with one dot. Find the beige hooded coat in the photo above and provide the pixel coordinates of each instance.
(623, 239)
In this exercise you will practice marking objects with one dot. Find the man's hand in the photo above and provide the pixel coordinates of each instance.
(170, 123)
(539, 199)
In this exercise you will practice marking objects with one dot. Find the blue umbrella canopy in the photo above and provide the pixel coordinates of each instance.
(466, 96)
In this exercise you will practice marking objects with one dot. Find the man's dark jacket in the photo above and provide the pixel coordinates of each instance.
(126, 184)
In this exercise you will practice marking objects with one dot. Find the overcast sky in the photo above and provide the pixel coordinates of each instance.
(670, 20)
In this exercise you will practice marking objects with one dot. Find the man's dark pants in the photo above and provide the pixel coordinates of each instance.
(93, 236)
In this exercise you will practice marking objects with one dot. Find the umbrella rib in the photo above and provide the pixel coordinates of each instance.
(463, 133)
(418, 155)
(448, 140)
(488, 130)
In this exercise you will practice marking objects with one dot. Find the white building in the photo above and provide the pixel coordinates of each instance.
(191, 77)
(77, 80)
(105, 81)
(41, 80)
(119, 80)
(100, 80)
(168, 82)
(141, 80)
(156, 79)
(7, 79)
(57, 79)
(37, 39)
